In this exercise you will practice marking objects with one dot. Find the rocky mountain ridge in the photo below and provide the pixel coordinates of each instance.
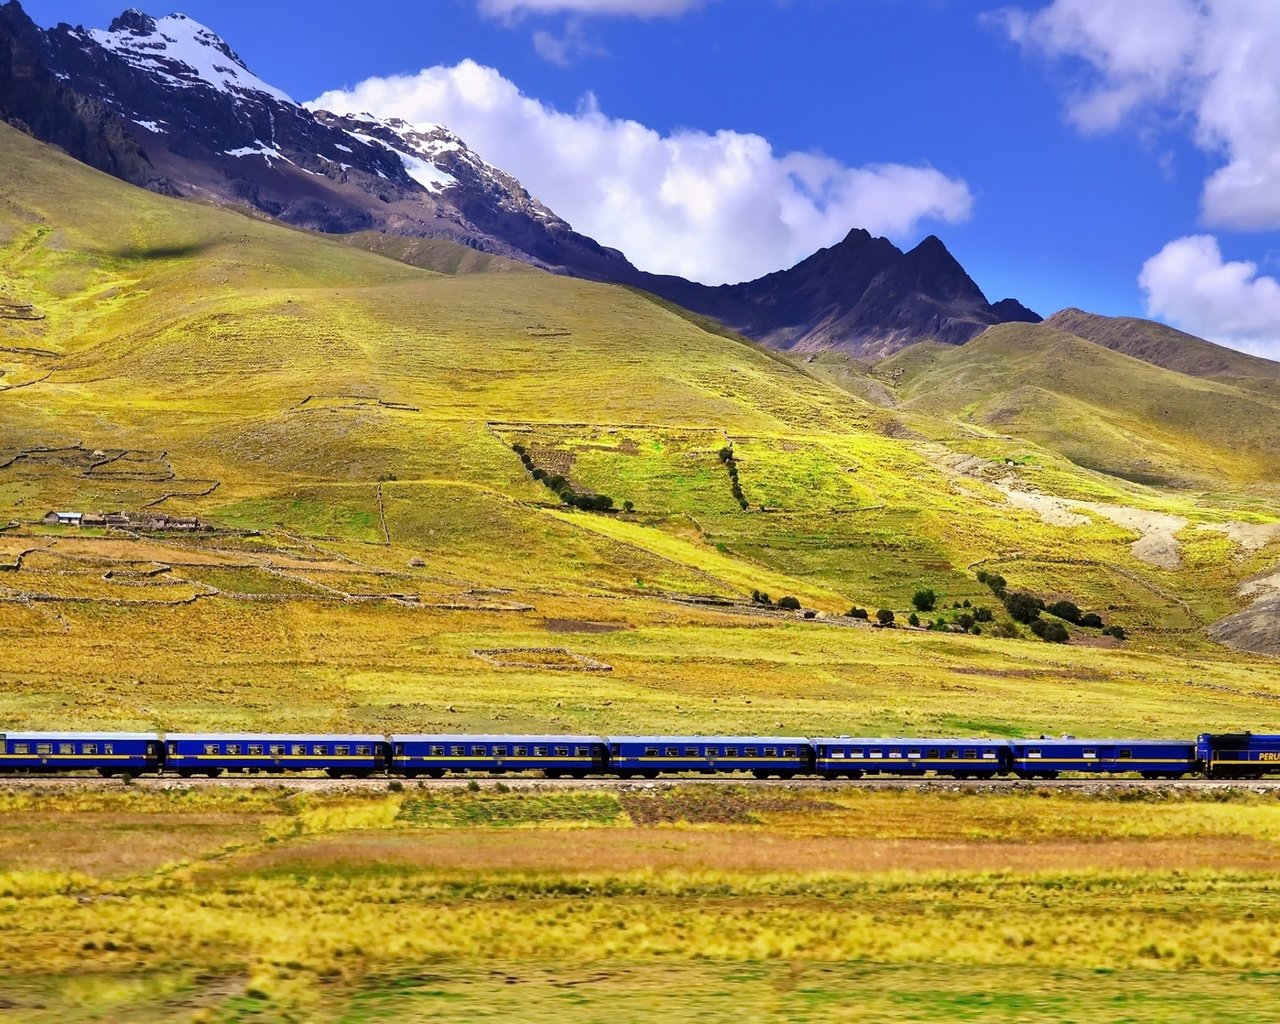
(168, 105)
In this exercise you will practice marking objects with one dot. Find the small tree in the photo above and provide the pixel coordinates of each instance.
(791, 604)
(924, 600)
(914, 620)
(965, 621)
(1023, 607)
(628, 506)
(1115, 631)
(1091, 619)
(1065, 610)
(858, 613)
(995, 582)
(983, 614)
(885, 617)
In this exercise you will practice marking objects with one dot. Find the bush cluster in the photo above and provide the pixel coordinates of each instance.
(924, 600)
(1050, 632)
(563, 489)
(885, 617)
(997, 583)
(731, 464)
(857, 613)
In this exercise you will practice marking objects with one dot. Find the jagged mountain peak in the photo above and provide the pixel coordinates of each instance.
(182, 52)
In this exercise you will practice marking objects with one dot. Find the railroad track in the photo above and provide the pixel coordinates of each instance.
(305, 783)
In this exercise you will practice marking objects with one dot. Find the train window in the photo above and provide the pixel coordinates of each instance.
(320, 749)
(233, 748)
(582, 751)
(478, 751)
(673, 751)
(399, 750)
(521, 751)
(836, 753)
(988, 755)
(343, 750)
(211, 748)
(300, 749)
(22, 748)
(748, 751)
(562, 751)
(690, 751)
(1091, 755)
(438, 751)
(713, 751)
(931, 754)
(1126, 754)
(877, 753)
(458, 751)
(499, 751)
(856, 752)
(66, 748)
(276, 749)
(770, 751)
(650, 751)
(255, 749)
(790, 752)
(89, 748)
(540, 751)
(951, 753)
(3, 747)
(44, 748)
(364, 750)
(730, 751)
(970, 752)
(913, 753)
(1033, 752)
(897, 754)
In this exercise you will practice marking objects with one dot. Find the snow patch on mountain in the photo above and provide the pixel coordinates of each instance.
(181, 52)
(268, 152)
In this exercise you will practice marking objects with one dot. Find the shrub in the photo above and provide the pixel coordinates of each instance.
(518, 448)
(885, 617)
(914, 620)
(1023, 607)
(810, 614)
(1115, 631)
(995, 582)
(858, 613)
(983, 614)
(1065, 610)
(726, 454)
(540, 474)
(760, 597)
(1092, 619)
(791, 604)
(965, 621)
(1055, 633)
(395, 786)
(1005, 630)
(628, 506)
(924, 600)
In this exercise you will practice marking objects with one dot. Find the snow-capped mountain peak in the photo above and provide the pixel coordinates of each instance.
(182, 52)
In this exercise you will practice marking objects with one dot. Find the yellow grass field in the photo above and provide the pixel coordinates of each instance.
(212, 904)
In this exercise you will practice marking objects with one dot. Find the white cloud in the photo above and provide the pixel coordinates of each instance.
(564, 49)
(1213, 62)
(1189, 284)
(639, 8)
(713, 207)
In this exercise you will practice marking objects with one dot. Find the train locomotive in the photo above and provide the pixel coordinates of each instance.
(1210, 755)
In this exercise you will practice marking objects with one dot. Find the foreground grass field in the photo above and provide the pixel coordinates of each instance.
(213, 904)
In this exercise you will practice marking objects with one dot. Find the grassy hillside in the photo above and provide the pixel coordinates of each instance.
(1165, 346)
(351, 423)
(1104, 410)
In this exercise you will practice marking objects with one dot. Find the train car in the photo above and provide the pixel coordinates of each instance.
(1153, 759)
(1241, 755)
(762, 756)
(852, 757)
(211, 754)
(107, 753)
(555, 756)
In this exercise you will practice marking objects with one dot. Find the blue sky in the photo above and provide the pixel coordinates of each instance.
(1075, 127)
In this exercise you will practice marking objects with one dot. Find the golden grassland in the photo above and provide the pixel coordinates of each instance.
(348, 423)
(427, 904)
(351, 419)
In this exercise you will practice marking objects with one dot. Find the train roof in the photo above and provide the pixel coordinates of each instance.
(285, 737)
(1100, 740)
(492, 738)
(79, 735)
(707, 739)
(921, 740)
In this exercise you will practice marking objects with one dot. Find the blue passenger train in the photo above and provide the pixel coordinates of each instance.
(1213, 755)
